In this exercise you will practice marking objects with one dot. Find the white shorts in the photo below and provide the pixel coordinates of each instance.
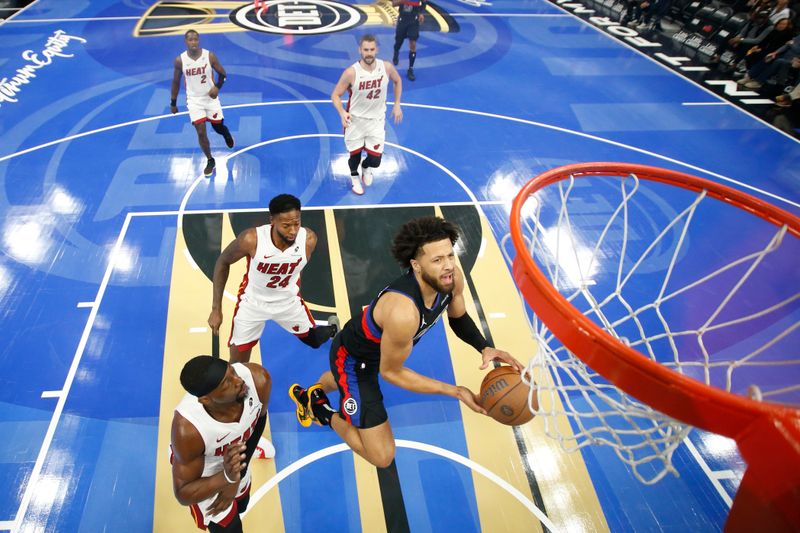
(250, 317)
(365, 133)
(200, 510)
(202, 108)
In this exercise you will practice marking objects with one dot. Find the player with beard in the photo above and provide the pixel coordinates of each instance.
(367, 82)
(270, 290)
(216, 430)
(380, 339)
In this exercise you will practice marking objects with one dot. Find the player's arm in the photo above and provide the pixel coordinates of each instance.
(466, 330)
(187, 465)
(344, 83)
(221, 75)
(263, 384)
(311, 243)
(244, 245)
(177, 72)
(397, 82)
(399, 318)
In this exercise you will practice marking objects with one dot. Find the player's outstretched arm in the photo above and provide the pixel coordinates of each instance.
(187, 465)
(466, 330)
(244, 245)
(177, 72)
(345, 81)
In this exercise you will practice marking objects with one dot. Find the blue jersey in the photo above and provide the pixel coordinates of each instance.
(361, 336)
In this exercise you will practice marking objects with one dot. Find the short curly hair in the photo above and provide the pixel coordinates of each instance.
(418, 232)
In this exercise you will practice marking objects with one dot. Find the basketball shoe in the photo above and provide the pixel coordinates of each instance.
(210, 166)
(229, 142)
(356, 186)
(319, 405)
(366, 175)
(300, 397)
(264, 449)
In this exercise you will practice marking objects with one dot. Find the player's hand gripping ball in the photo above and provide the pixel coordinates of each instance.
(505, 396)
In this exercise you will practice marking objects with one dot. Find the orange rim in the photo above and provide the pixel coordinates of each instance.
(650, 382)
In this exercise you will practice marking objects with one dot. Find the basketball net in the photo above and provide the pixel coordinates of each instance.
(643, 281)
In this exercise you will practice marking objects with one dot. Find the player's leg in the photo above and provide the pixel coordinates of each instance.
(198, 115)
(296, 318)
(217, 119)
(354, 142)
(413, 35)
(246, 329)
(374, 148)
(399, 37)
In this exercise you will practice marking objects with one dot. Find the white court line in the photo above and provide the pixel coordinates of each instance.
(497, 315)
(529, 15)
(85, 304)
(708, 472)
(198, 330)
(10, 19)
(52, 393)
(76, 19)
(707, 103)
(33, 480)
(414, 445)
(6, 524)
(467, 112)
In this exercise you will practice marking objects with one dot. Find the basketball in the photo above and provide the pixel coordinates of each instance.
(505, 396)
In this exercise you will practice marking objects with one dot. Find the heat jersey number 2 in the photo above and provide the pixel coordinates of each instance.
(278, 281)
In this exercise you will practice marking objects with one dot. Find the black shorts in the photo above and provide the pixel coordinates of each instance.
(407, 29)
(360, 397)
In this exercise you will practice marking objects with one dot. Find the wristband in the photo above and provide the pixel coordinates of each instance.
(173, 102)
(225, 474)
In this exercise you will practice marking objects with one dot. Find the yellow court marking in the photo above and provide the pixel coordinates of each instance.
(189, 305)
(569, 496)
(369, 493)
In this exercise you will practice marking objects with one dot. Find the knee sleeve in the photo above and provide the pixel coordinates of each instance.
(220, 128)
(373, 161)
(318, 336)
(353, 163)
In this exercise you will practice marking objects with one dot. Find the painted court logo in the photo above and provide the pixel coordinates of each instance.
(308, 17)
(282, 17)
(350, 406)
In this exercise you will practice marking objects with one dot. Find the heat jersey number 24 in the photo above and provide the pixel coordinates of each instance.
(278, 281)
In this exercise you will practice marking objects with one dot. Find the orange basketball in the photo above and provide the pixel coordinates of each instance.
(505, 396)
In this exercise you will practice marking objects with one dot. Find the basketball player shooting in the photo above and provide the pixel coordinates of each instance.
(381, 337)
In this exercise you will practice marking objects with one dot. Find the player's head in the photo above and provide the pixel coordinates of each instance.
(192, 40)
(426, 246)
(368, 48)
(284, 211)
(212, 380)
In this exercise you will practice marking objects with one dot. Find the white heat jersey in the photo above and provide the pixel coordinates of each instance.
(274, 275)
(197, 74)
(368, 92)
(218, 435)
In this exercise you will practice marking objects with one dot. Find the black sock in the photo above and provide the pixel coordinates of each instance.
(412, 56)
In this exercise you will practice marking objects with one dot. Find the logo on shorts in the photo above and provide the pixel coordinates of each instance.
(350, 406)
(295, 328)
(376, 146)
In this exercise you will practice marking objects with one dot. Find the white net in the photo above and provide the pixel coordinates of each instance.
(691, 282)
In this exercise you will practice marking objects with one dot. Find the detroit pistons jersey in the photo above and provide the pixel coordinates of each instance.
(273, 275)
(368, 91)
(217, 436)
(361, 336)
(197, 74)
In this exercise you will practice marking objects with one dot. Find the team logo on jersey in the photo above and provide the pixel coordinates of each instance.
(284, 17)
(295, 328)
(250, 402)
(350, 406)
